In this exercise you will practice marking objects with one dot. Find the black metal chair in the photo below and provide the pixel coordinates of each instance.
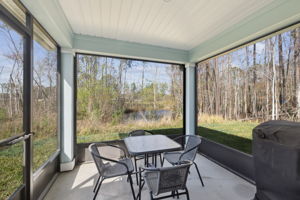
(189, 153)
(141, 157)
(111, 168)
(165, 179)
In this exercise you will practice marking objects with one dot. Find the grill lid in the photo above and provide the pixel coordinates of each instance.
(279, 131)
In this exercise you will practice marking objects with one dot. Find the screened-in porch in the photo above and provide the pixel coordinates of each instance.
(74, 73)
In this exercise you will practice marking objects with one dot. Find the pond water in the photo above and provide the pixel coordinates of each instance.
(148, 115)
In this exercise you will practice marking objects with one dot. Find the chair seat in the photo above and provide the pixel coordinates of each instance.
(172, 157)
(116, 169)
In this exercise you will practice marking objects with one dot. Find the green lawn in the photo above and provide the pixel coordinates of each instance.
(98, 133)
(11, 169)
(11, 162)
(235, 134)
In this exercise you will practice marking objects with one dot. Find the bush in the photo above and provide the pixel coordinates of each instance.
(2, 114)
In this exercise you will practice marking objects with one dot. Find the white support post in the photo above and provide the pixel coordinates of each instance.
(190, 120)
(67, 160)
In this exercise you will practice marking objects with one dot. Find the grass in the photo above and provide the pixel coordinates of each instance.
(11, 170)
(11, 157)
(11, 162)
(88, 131)
(235, 134)
(42, 150)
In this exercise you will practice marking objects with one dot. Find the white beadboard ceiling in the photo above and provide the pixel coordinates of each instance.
(180, 24)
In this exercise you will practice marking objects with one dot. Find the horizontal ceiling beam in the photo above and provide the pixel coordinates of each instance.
(105, 46)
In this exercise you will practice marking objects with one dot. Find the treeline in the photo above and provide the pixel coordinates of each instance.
(11, 82)
(260, 81)
(44, 86)
(110, 88)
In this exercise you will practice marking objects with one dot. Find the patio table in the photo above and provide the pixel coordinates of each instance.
(150, 144)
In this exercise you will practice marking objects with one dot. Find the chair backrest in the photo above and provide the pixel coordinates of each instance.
(139, 133)
(173, 178)
(191, 147)
(97, 158)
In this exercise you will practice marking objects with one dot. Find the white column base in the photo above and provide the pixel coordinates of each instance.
(68, 166)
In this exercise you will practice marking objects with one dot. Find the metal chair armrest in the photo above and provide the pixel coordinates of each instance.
(111, 160)
(115, 146)
(183, 153)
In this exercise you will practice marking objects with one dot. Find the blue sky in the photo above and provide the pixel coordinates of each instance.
(239, 55)
(5, 49)
(6, 46)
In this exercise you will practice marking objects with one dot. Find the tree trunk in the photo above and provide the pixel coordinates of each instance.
(267, 63)
(282, 74)
(297, 70)
(207, 88)
(273, 86)
(154, 89)
(217, 89)
(254, 101)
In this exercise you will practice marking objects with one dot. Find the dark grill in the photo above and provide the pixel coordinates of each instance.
(276, 153)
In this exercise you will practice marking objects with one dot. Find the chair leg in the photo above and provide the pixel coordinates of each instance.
(98, 188)
(146, 160)
(140, 186)
(199, 174)
(131, 185)
(153, 157)
(151, 196)
(96, 184)
(173, 194)
(161, 160)
(187, 194)
(135, 166)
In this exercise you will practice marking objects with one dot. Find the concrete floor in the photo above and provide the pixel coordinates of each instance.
(220, 184)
